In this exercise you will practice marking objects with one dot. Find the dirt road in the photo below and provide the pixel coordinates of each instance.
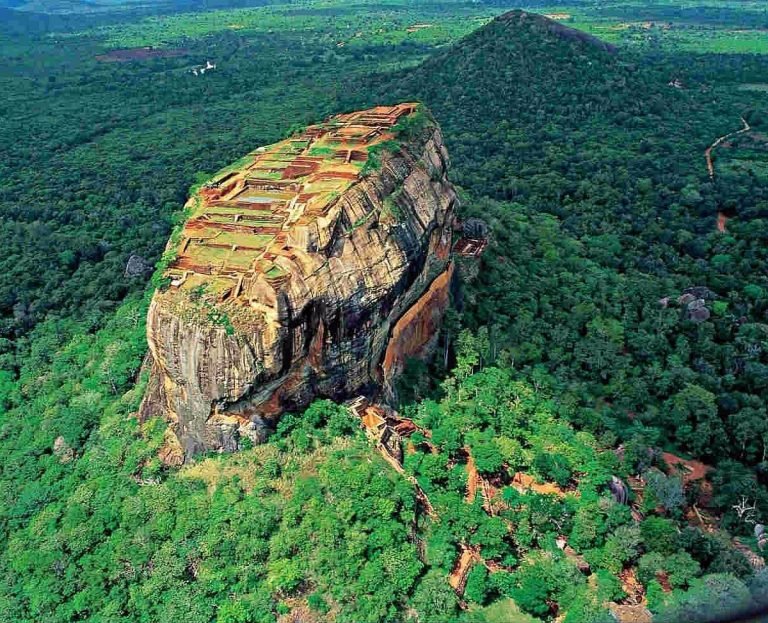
(722, 219)
(708, 152)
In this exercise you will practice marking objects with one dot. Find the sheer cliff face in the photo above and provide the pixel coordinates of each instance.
(298, 272)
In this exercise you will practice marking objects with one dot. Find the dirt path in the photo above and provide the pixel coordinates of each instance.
(458, 577)
(708, 152)
(468, 555)
(689, 469)
(420, 494)
(475, 483)
(523, 483)
(722, 219)
(472, 478)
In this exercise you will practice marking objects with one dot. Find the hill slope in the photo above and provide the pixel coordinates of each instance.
(519, 87)
(559, 125)
(606, 276)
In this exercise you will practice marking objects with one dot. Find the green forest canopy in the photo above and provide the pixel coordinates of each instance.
(577, 337)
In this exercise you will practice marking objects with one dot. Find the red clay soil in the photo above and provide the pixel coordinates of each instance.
(523, 482)
(404, 427)
(185, 264)
(458, 577)
(489, 493)
(632, 587)
(722, 220)
(295, 170)
(690, 470)
(199, 224)
(337, 175)
(662, 577)
(473, 479)
(476, 482)
(127, 55)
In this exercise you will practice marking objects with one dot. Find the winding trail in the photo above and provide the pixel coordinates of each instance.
(722, 219)
(708, 152)
(420, 494)
(375, 425)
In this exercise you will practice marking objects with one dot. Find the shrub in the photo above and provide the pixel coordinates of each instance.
(477, 588)
(659, 535)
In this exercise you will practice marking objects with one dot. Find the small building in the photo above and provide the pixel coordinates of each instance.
(474, 238)
(470, 247)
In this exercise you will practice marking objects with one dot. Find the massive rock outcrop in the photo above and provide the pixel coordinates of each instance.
(297, 270)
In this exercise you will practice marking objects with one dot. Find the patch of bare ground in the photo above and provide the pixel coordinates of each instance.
(722, 221)
(458, 577)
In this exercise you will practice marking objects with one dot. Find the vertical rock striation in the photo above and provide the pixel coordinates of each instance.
(313, 267)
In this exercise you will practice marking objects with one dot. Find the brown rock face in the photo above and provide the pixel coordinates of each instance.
(415, 333)
(296, 273)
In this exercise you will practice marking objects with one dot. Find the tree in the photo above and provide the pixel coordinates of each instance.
(701, 546)
(553, 466)
(731, 561)
(477, 588)
(433, 599)
(485, 452)
(663, 490)
(679, 568)
(711, 598)
(541, 578)
(692, 415)
(621, 548)
(233, 612)
(659, 535)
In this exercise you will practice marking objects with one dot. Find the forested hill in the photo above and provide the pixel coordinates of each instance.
(607, 274)
(525, 91)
